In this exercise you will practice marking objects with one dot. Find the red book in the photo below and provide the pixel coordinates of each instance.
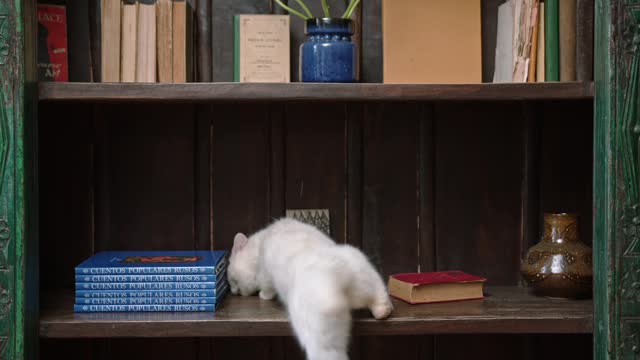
(430, 287)
(52, 43)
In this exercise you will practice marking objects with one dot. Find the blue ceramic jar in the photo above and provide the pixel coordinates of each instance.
(328, 54)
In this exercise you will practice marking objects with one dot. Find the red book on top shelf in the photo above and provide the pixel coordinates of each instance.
(431, 287)
(52, 43)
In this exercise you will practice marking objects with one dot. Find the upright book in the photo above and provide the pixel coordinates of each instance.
(430, 287)
(261, 48)
(155, 262)
(434, 41)
(52, 43)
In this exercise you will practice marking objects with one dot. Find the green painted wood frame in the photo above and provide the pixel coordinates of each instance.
(18, 223)
(616, 180)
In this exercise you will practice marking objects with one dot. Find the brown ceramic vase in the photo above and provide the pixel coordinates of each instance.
(560, 265)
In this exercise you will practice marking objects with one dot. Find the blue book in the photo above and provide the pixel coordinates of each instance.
(147, 286)
(150, 308)
(146, 278)
(124, 294)
(155, 262)
(143, 308)
(146, 301)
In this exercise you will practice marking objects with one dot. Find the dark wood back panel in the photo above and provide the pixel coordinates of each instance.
(429, 185)
(150, 178)
(240, 172)
(390, 204)
(315, 162)
(66, 222)
(565, 171)
(478, 170)
(240, 168)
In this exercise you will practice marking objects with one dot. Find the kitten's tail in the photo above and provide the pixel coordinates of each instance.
(320, 315)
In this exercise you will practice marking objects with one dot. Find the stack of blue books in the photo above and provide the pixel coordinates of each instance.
(140, 281)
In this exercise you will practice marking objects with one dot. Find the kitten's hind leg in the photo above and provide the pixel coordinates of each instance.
(322, 323)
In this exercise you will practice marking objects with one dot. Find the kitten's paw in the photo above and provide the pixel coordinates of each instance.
(382, 311)
(267, 294)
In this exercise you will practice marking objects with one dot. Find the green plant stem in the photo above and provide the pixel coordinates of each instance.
(347, 14)
(325, 8)
(305, 8)
(292, 11)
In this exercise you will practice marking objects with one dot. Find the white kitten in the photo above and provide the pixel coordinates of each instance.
(317, 280)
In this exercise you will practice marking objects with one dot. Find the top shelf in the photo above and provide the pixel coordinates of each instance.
(362, 92)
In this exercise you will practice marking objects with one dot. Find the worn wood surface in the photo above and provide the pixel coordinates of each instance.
(236, 92)
(504, 310)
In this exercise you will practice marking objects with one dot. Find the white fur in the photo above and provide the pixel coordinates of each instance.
(317, 280)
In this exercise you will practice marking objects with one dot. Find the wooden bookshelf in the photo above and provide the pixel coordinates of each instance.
(236, 92)
(505, 310)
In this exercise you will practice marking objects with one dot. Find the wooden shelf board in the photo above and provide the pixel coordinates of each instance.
(255, 92)
(504, 310)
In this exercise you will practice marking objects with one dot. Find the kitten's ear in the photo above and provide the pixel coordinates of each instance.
(239, 242)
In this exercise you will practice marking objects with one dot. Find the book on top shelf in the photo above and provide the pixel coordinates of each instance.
(52, 43)
(431, 287)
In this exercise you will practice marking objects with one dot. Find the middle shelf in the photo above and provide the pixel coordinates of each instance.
(504, 310)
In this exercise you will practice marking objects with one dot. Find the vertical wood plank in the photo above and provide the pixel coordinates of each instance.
(65, 161)
(372, 42)
(426, 188)
(277, 162)
(102, 179)
(202, 176)
(390, 203)
(354, 123)
(427, 196)
(391, 207)
(240, 166)
(478, 180)
(65, 196)
(151, 177)
(566, 177)
(204, 49)
(315, 162)
(531, 216)
(202, 199)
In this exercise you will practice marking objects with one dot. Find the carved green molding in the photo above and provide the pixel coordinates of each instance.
(617, 180)
(18, 296)
(7, 279)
